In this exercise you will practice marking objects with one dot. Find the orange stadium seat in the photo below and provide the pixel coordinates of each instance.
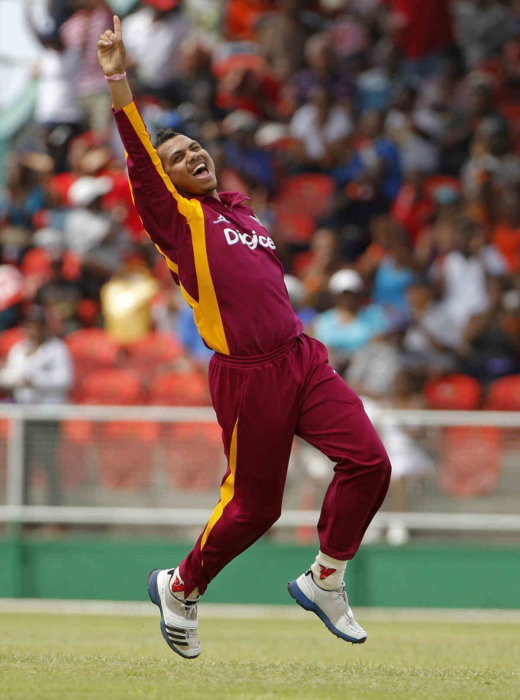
(9, 338)
(456, 392)
(194, 456)
(111, 386)
(469, 462)
(91, 349)
(308, 194)
(192, 452)
(126, 454)
(124, 450)
(148, 355)
(295, 227)
(179, 389)
(504, 394)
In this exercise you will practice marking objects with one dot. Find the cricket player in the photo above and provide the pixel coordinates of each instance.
(268, 380)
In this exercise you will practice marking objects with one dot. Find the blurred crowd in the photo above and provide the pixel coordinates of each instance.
(378, 140)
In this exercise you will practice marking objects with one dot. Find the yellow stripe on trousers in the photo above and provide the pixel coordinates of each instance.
(227, 490)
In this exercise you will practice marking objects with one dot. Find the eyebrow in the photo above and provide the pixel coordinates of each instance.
(181, 150)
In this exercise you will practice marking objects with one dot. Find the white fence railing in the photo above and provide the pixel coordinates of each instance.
(90, 472)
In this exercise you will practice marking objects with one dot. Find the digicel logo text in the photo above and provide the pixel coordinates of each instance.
(252, 241)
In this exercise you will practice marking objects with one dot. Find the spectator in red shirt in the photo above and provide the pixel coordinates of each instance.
(421, 30)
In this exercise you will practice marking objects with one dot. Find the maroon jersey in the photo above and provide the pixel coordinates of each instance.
(218, 251)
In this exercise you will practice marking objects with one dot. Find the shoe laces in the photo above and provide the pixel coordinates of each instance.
(341, 594)
(190, 610)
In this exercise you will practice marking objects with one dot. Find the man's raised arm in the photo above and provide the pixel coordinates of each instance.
(161, 208)
(112, 59)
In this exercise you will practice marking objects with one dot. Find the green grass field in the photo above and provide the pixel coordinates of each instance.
(69, 657)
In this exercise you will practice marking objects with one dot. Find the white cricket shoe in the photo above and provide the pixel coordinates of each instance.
(178, 616)
(330, 606)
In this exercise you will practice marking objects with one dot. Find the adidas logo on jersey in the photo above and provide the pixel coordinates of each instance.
(251, 240)
(221, 220)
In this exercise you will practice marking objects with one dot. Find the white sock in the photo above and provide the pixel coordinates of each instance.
(328, 572)
(176, 587)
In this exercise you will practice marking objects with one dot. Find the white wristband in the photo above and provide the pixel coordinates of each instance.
(116, 76)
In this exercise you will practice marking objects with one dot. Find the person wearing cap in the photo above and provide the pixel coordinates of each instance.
(349, 325)
(38, 370)
(87, 225)
(92, 232)
(268, 380)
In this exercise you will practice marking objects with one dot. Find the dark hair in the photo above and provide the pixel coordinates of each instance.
(165, 135)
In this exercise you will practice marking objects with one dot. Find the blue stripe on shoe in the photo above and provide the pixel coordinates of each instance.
(153, 592)
(307, 604)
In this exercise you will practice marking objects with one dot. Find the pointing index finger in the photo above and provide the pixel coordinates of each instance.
(117, 27)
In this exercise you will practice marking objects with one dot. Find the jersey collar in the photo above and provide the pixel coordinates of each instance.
(229, 199)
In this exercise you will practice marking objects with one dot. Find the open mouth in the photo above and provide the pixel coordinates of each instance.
(201, 171)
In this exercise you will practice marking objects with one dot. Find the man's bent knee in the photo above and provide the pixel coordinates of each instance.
(260, 522)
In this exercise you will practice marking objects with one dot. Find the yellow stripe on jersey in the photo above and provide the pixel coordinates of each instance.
(136, 121)
(171, 265)
(227, 490)
(206, 312)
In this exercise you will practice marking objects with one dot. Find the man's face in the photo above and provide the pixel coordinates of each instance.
(351, 301)
(188, 165)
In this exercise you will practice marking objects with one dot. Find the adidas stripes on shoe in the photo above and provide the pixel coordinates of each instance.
(178, 616)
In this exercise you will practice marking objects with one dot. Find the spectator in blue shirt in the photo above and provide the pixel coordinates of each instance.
(349, 325)
(374, 153)
(252, 163)
(394, 275)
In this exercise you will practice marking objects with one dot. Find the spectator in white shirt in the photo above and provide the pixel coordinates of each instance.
(461, 275)
(431, 339)
(93, 233)
(321, 126)
(153, 36)
(57, 110)
(39, 371)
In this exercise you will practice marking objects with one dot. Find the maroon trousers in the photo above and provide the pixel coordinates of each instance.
(261, 403)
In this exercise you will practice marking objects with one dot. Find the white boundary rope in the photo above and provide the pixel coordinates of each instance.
(267, 612)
